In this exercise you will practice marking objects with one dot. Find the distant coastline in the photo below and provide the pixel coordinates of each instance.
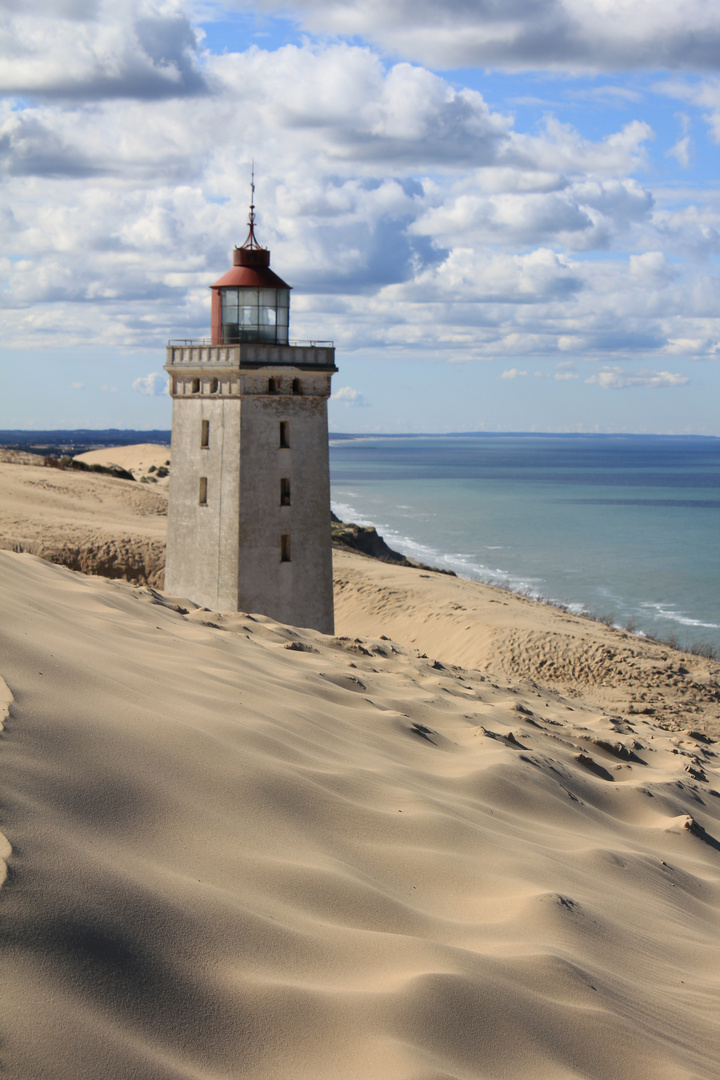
(77, 440)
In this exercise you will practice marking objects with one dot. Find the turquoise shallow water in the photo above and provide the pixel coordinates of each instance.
(622, 525)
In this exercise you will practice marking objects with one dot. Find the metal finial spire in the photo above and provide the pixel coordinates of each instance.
(251, 240)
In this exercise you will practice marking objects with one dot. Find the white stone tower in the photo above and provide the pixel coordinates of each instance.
(249, 503)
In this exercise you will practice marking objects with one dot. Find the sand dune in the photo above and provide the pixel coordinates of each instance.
(239, 849)
(511, 637)
(115, 528)
(141, 459)
(86, 521)
(256, 851)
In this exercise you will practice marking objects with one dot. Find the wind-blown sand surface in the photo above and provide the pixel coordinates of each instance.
(239, 849)
(86, 521)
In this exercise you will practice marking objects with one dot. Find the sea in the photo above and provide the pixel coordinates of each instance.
(626, 527)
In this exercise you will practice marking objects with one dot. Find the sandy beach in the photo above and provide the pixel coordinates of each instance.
(468, 836)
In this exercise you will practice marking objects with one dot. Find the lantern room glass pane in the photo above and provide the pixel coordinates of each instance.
(255, 315)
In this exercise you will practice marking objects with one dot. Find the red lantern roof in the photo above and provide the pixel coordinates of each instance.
(250, 273)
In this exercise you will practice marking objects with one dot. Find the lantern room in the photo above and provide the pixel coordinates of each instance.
(250, 303)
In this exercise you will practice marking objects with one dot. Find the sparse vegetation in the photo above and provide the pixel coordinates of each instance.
(705, 649)
(67, 462)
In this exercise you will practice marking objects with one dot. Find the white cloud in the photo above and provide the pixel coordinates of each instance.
(565, 370)
(349, 396)
(683, 148)
(682, 151)
(589, 35)
(409, 214)
(579, 215)
(153, 384)
(704, 93)
(616, 378)
(513, 373)
(78, 385)
(651, 269)
(96, 49)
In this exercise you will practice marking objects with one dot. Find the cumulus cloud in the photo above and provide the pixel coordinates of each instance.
(348, 395)
(615, 378)
(408, 214)
(93, 49)
(153, 384)
(30, 147)
(513, 373)
(581, 215)
(589, 35)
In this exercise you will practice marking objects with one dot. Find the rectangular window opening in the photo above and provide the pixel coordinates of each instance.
(205, 435)
(284, 435)
(285, 491)
(285, 547)
(203, 491)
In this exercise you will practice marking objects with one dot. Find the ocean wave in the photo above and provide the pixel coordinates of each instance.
(674, 616)
(463, 565)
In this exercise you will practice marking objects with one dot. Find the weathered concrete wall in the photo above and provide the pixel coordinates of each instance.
(300, 591)
(227, 554)
(201, 539)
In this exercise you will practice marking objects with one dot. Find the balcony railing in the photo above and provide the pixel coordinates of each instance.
(205, 342)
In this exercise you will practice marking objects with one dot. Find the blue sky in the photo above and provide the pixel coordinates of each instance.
(506, 216)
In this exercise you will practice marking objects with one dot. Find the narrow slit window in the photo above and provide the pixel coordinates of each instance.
(285, 491)
(285, 547)
(203, 491)
(272, 386)
(213, 386)
(284, 434)
(296, 386)
(196, 386)
(205, 435)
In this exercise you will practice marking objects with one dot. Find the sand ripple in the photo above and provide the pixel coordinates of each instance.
(231, 858)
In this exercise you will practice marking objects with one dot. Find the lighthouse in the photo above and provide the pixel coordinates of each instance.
(249, 498)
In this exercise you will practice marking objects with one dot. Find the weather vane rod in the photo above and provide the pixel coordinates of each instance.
(251, 241)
